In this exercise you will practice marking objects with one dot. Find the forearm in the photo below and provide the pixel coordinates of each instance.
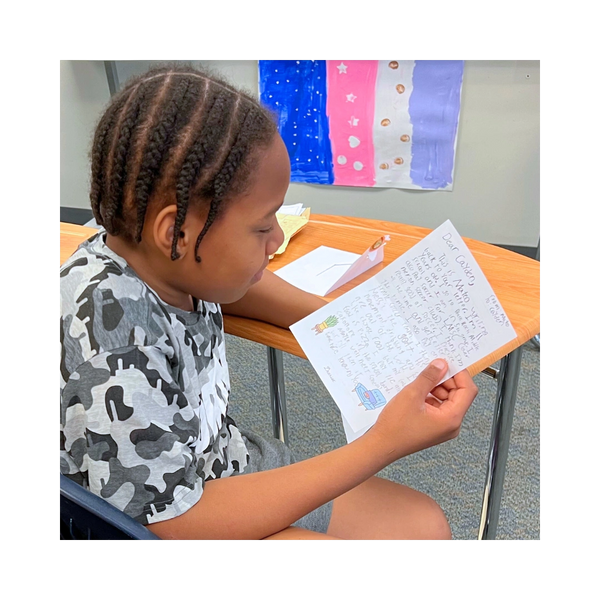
(257, 505)
(276, 301)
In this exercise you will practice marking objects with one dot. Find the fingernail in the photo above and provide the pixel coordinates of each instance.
(439, 363)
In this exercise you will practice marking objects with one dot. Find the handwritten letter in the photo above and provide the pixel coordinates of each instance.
(433, 301)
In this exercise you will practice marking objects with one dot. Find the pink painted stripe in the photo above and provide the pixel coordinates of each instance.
(351, 109)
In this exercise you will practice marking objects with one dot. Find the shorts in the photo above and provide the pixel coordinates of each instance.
(271, 454)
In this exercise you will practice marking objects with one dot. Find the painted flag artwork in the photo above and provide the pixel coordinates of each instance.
(370, 123)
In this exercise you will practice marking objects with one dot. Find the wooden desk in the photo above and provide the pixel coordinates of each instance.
(514, 278)
(71, 236)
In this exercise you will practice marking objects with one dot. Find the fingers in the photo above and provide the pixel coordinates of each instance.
(463, 380)
(428, 379)
(460, 381)
(457, 393)
(461, 398)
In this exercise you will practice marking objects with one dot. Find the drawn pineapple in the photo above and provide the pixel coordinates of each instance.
(328, 322)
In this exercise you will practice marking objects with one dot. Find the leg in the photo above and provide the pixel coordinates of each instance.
(277, 391)
(508, 381)
(297, 533)
(382, 509)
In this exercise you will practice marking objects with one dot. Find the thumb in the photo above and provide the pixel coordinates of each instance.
(430, 376)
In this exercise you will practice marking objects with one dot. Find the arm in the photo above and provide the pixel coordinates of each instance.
(260, 504)
(275, 301)
(257, 505)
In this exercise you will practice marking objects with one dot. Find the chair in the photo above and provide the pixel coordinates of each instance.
(85, 516)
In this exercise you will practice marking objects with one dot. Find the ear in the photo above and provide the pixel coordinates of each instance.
(163, 230)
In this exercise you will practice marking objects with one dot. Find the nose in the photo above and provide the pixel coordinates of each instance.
(276, 239)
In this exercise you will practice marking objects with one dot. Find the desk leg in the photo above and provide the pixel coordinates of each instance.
(508, 381)
(277, 391)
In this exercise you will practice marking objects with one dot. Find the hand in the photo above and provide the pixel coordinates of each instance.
(424, 413)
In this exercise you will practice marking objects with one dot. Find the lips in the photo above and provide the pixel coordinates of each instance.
(259, 275)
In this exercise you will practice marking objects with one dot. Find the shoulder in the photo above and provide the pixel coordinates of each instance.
(104, 305)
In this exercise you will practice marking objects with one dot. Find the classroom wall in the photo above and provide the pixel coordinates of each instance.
(83, 93)
(496, 195)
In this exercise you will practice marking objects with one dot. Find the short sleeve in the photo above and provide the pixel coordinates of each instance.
(130, 433)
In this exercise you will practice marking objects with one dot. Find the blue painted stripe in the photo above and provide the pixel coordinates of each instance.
(296, 91)
(433, 109)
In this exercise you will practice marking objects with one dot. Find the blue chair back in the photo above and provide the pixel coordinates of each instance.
(84, 517)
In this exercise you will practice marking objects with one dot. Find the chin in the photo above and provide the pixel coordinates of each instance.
(230, 297)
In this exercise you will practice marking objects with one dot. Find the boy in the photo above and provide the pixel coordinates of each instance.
(187, 175)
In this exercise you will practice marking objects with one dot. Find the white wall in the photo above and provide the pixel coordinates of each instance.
(83, 94)
(496, 195)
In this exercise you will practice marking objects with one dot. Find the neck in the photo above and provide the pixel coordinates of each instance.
(151, 269)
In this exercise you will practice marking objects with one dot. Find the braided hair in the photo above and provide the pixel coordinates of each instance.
(175, 135)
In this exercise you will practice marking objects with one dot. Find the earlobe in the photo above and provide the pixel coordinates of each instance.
(163, 230)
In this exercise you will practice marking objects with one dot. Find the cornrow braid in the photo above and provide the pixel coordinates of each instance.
(98, 154)
(200, 158)
(174, 135)
(226, 174)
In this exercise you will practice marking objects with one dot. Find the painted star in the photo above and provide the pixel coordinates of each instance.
(351, 98)
(342, 68)
(353, 121)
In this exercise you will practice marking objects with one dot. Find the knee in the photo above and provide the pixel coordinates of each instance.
(435, 525)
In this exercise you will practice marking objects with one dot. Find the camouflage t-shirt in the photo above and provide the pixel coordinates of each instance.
(144, 390)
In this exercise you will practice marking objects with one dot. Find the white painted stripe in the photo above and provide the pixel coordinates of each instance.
(392, 106)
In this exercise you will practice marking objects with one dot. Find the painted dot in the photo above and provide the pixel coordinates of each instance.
(405, 138)
(393, 64)
(398, 160)
(342, 160)
(358, 166)
(400, 88)
(384, 166)
(385, 122)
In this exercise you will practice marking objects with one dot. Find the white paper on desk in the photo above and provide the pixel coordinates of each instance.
(433, 301)
(325, 269)
(291, 209)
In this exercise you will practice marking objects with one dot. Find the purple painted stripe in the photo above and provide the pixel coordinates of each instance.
(433, 108)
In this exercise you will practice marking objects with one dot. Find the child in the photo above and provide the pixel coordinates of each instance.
(187, 175)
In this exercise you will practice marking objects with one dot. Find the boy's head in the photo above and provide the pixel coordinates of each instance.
(174, 135)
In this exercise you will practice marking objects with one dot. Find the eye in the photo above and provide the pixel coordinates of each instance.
(266, 230)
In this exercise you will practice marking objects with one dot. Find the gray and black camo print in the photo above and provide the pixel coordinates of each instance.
(144, 390)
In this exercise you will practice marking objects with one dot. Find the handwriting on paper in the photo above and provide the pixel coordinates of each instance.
(433, 301)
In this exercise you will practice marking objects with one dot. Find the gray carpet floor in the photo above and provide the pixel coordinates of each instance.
(452, 473)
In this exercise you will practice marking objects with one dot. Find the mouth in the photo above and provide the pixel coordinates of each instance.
(259, 275)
